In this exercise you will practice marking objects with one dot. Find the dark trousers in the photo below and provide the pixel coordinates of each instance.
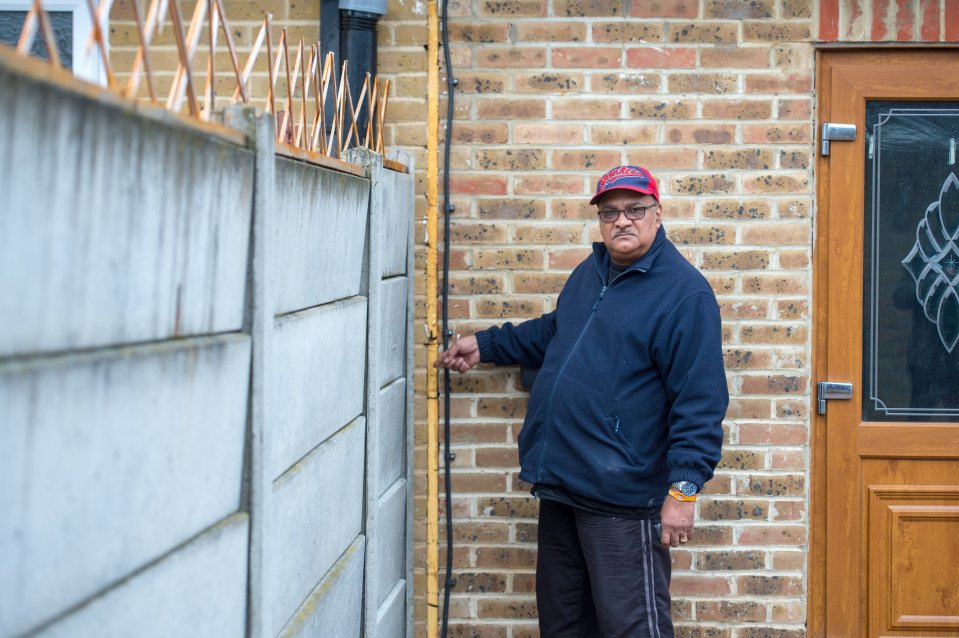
(600, 576)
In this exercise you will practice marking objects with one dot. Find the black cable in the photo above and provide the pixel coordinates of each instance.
(447, 209)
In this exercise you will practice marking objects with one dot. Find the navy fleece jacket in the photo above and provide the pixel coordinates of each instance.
(631, 392)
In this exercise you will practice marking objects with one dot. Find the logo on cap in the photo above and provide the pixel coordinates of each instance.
(632, 178)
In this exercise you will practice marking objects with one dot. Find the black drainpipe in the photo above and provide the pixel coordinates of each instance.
(348, 29)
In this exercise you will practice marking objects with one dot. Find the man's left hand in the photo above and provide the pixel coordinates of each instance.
(677, 521)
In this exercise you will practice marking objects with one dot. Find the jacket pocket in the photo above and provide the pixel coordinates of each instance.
(614, 425)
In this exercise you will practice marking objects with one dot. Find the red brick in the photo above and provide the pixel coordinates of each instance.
(778, 82)
(701, 133)
(511, 159)
(744, 309)
(513, 8)
(548, 233)
(951, 8)
(763, 133)
(666, 159)
(548, 183)
(626, 134)
(549, 31)
(737, 109)
(905, 21)
(547, 133)
(586, 109)
(470, 133)
(549, 82)
(682, 584)
(511, 57)
(543, 283)
(730, 611)
(507, 308)
(734, 57)
(769, 585)
(586, 8)
(510, 208)
(486, 32)
(511, 607)
(665, 9)
(508, 258)
(509, 557)
(568, 258)
(587, 57)
(660, 57)
(703, 32)
(628, 31)
(484, 184)
(584, 159)
(626, 82)
(772, 434)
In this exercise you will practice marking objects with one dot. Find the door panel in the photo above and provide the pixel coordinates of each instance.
(885, 553)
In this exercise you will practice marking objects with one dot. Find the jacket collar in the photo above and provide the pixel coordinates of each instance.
(642, 264)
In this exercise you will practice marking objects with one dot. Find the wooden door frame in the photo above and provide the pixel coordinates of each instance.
(827, 58)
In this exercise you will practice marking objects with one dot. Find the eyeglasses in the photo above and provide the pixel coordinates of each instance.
(633, 213)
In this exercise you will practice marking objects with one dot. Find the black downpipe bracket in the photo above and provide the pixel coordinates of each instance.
(447, 333)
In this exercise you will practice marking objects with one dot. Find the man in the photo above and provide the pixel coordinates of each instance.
(624, 423)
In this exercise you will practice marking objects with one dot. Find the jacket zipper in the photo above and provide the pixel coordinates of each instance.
(559, 373)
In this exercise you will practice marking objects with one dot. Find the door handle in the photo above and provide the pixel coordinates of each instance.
(827, 390)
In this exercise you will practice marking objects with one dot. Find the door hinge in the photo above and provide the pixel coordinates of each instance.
(827, 390)
(836, 133)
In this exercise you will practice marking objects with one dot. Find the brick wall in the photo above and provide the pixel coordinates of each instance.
(716, 97)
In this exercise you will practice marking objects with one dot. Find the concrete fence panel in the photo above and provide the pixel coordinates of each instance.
(319, 378)
(115, 229)
(205, 405)
(318, 514)
(391, 436)
(111, 459)
(320, 235)
(330, 611)
(393, 329)
(199, 590)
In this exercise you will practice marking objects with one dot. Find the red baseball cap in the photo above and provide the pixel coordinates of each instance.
(633, 178)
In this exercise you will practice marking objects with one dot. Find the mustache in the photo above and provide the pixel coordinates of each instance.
(623, 232)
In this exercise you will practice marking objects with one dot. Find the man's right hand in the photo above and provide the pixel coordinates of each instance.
(461, 356)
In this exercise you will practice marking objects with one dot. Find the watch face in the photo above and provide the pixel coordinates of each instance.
(688, 488)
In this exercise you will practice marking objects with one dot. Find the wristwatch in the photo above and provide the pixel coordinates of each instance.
(683, 490)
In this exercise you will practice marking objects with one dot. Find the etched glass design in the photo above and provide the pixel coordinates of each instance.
(11, 23)
(911, 262)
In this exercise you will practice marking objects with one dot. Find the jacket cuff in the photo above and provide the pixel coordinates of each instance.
(687, 474)
(485, 342)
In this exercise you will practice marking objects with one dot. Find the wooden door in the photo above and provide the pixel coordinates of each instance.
(885, 497)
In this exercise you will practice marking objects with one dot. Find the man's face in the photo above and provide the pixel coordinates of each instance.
(628, 240)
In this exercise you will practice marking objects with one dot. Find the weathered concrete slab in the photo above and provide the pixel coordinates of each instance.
(319, 364)
(392, 614)
(317, 514)
(397, 213)
(393, 297)
(199, 590)
(391, 435)
(115, 229)
(320, 235)
(390, 540)
(111, 459)
(334, 609)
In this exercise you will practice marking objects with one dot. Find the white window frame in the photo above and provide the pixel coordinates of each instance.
(87, 67)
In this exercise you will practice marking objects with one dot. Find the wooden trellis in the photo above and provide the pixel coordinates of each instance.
(301, 122)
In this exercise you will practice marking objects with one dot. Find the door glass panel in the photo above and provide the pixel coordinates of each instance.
(61, 22)
(911, 262)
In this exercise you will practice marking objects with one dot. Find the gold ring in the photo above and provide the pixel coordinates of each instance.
(684, 539)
